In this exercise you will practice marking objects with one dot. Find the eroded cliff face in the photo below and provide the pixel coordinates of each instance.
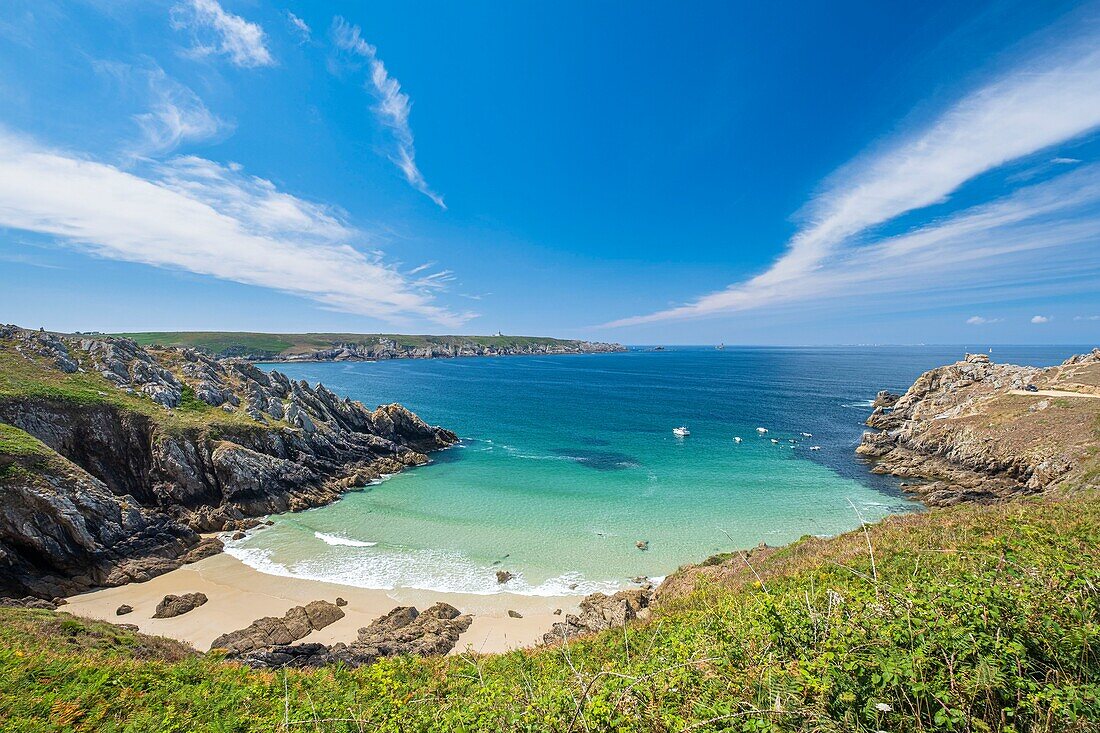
(979, 431)
(123, 486)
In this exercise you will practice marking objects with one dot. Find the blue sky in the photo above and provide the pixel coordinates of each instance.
(787, 173)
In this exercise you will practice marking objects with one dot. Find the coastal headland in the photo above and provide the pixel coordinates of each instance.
(277, 347)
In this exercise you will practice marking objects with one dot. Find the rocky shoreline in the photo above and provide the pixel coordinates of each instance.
(980, 431)
(123, 484)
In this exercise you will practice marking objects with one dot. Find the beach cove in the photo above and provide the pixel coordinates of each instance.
(565, 464)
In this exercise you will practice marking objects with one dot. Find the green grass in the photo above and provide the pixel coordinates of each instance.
(966, 619)
(223, 343)
(14, 442)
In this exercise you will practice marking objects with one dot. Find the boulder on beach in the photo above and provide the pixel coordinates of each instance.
(404, 630)
(123, 610)
(503, 576)
(341, 602)
(172, 606)
(599, 612)
(514, 614)
(295, 624)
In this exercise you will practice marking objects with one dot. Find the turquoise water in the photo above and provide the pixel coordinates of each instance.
(568, 461)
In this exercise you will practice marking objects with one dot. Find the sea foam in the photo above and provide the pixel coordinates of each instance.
(338, 541)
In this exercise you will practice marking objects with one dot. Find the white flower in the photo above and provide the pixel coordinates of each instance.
(883, 707)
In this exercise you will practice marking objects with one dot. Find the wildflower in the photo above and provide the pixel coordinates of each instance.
(883, 707)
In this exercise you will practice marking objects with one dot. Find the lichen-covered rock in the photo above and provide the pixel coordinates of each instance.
(401, 631)
(971, 431)
(599, 612)
(173, 605)
(269, 631)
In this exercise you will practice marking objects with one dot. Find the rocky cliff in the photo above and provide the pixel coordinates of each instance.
(980, 431)
(113, 457)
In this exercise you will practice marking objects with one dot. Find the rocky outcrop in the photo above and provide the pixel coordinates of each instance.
(980, 431)
(132, 479)
(295, 624)
(28, 602)
(599, 612)
(172, 605)
(402, 631)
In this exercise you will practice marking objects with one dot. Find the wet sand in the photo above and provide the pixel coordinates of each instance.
(238, 595)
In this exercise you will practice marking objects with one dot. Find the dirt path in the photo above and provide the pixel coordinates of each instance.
(1053, 393)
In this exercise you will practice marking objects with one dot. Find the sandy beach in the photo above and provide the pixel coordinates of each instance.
(238, 595)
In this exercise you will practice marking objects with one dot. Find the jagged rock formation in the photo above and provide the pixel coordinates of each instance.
(979, 431)
(143, 449)
(402, 631)
(599, 612)
(270, 631)
(172, 605)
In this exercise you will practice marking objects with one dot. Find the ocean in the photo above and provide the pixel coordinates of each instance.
(566, 462)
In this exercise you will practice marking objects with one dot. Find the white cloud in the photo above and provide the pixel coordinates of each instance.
(176, 116)
(1064, 161)
(300, 26)
(1040, 319)
(196, 215)
(1038, 241)
(1086, 318)
(216, 31)
(1048, 99)
(982, 321)
(393, 105)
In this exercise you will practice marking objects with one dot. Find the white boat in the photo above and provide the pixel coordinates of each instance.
(761, 430)
(775, 440)
(807, 435)
(681, 431)
(737, 439)
(815, 447)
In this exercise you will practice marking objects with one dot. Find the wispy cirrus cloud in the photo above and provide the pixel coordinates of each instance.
(216, 31)
(193, 214)
(1044, 100)
(982, 320)
(299, 26)
(393, 105)
(175, 114)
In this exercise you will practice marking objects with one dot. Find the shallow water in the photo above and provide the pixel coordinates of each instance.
(568, 461)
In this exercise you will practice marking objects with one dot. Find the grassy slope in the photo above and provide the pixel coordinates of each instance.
(227, 342)
(969, 618)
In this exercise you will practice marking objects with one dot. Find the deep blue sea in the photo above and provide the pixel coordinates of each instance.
(567, 461)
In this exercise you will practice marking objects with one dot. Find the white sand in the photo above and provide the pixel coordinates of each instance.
(239, 595)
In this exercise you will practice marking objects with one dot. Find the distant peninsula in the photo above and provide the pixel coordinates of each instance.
(359, 346)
